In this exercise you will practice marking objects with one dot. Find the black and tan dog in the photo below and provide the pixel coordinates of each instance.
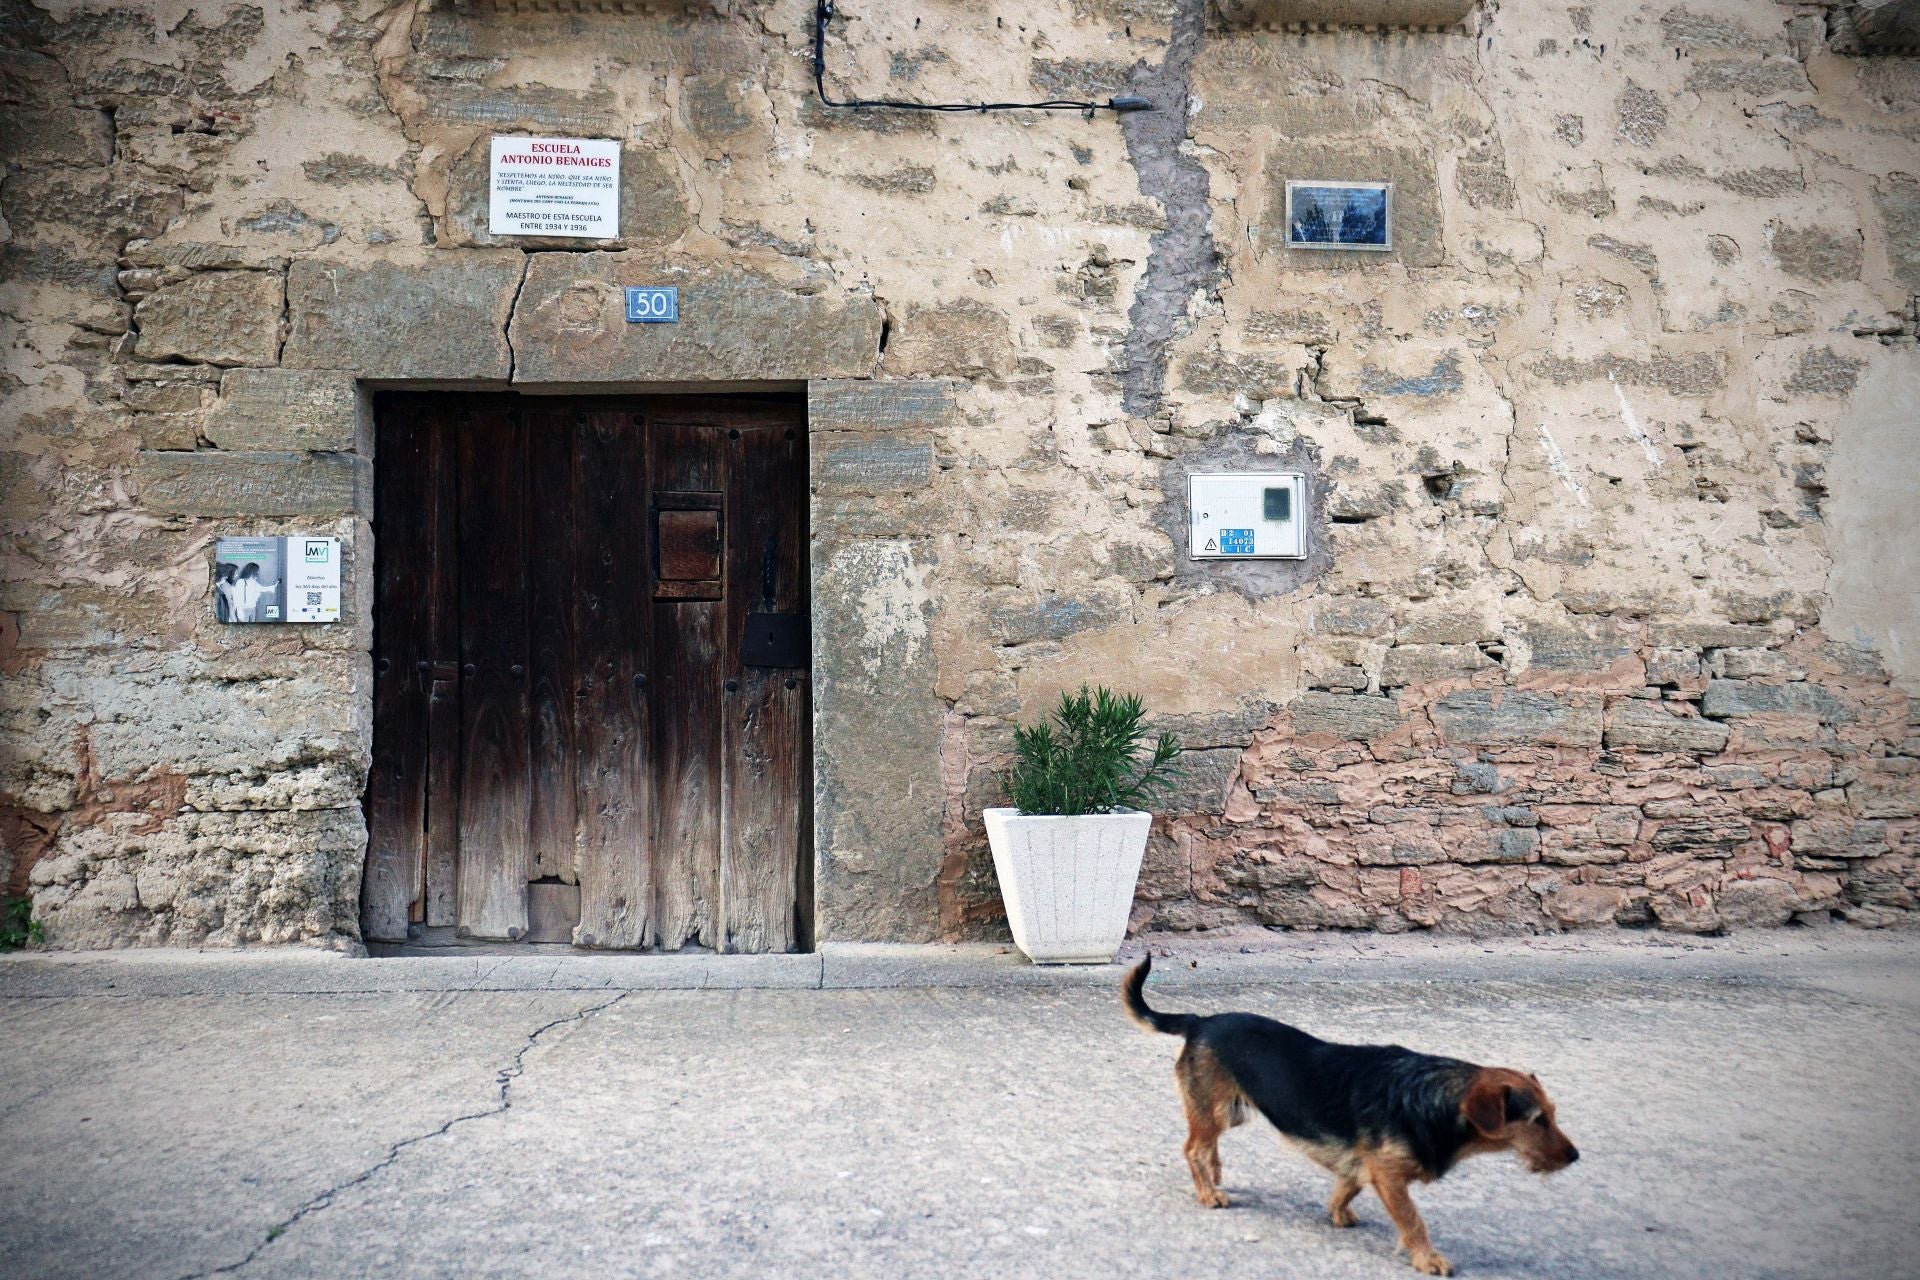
(1372, 1115)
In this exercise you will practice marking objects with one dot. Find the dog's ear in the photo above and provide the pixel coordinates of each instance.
(1522, 1104)
(1485, 1105)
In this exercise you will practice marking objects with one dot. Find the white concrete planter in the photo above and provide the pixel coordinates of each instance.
(1068, 882)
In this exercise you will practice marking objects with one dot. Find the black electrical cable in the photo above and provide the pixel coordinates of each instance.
(823, 13)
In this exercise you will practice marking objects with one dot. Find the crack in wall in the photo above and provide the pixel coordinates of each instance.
(504, 1079)
(513, 309)
(1182, 259)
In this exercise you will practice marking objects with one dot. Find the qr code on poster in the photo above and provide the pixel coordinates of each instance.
(313, 599)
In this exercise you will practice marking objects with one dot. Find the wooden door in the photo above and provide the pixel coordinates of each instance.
(591, 702)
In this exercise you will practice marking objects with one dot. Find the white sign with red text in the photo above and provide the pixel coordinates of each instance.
(555, 187)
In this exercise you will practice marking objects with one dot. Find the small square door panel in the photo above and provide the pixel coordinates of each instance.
(690, 549)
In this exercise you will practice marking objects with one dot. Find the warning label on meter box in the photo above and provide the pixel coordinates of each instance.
(554, 187)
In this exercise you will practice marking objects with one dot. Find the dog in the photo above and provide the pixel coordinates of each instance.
(1371, 1115)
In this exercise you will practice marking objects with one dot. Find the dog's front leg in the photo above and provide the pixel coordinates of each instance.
(1390, 1184)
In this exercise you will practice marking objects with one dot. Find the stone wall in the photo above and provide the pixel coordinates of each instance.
(1607, 617)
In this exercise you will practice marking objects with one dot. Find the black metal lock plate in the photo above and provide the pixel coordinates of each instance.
(775, 640)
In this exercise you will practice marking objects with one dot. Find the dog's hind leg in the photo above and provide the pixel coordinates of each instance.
(1212, 1105)
(1389, 1178)
(1345, 1188)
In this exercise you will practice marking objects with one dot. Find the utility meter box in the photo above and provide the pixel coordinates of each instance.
(1247, 517)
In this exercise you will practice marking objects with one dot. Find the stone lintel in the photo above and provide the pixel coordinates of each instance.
(735, 325)
(443, 318)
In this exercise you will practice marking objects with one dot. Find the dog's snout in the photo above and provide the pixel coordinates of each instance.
(1573, 1153)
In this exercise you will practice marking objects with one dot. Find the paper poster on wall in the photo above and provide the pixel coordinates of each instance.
(554, 187)
(276, 580)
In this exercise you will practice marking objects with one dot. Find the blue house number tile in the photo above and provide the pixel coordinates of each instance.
(652, 304)
(1236, 542)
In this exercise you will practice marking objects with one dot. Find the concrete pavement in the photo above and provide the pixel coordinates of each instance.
(1744, 1107)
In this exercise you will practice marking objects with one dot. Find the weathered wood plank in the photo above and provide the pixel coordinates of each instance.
(551, 673)
(495, 778)
(392, 889)
(612, 622)
(765, 749)
(688, 653)
(440, 591)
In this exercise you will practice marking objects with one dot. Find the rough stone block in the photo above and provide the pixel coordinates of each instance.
(1707, 836)
(1760, 79)
(168, 430)
(37, 136)
(1405, 845)
(1710, 635)
(1895, 796)
(1679, 668)
(1352, 617)
(1839, 835)
(214, 317)
(1731, 698)
(1744, 664)
(1475, 778)
(525, 108)
(79, 616)
(1761, 901)
(879, 406)
(1824, 372)
(254, 484)
(1698, 373)
(288, 409)
(877, 740)
(1819, 253)
(444, 318)
(1508, 717)
(173, 259)
(847, 464)
(1345, 715)
(1201, 786)
(1511, 844)
(1449, 627)
(963, 338)
(570, 325)
(1418, 663)
(98, 209)
(1584, 905)
(1654, 726)
(1557, 648)
(714, 107)
(1423, 373)
(164, 397)
(1898, 198)
(1023, 620)
(1233, 728)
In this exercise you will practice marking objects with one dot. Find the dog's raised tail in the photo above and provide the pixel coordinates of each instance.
(1133, 995)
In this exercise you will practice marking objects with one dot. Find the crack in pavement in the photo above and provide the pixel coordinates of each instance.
(503, 1103)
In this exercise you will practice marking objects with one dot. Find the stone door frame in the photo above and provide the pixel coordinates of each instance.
(297, 441)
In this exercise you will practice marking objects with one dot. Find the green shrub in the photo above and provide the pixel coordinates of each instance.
(18, 928)
(1087, 759)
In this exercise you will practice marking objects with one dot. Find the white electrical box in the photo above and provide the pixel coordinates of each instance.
(1254, 516)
